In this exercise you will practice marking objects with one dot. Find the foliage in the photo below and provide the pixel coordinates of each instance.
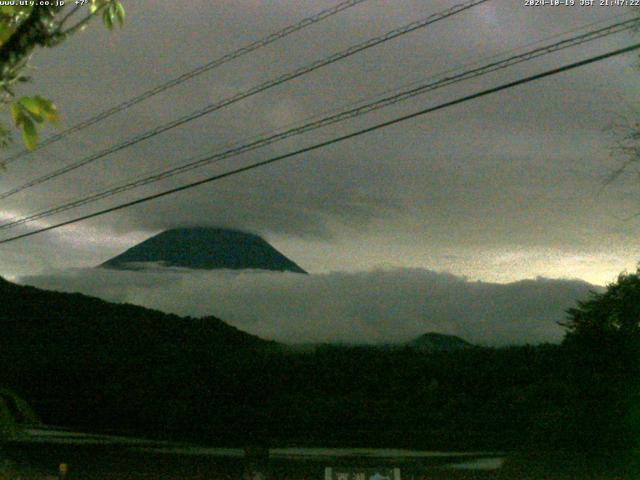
(25, 28)
(602, 347)
(615, 311)
(28, 111)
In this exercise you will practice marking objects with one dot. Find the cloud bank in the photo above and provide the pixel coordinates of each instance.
(380, 306)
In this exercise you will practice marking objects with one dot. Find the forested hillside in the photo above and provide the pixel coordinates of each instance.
(95, 365)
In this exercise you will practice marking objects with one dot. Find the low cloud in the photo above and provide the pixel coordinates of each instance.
(366, 307)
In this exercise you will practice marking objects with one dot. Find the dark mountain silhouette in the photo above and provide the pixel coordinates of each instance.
(55, 319)
(439, 342)
(205, 248)
(70, 356)
(97, 366)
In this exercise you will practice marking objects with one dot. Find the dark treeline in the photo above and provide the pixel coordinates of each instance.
(90, 364)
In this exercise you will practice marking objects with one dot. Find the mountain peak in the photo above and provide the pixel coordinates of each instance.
(205, 248)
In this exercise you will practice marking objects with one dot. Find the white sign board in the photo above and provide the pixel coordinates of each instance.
(363, 473)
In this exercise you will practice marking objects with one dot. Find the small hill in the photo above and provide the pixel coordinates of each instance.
(205, 249)
(439, 342)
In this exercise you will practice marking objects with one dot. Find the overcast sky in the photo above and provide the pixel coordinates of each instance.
(499, 189)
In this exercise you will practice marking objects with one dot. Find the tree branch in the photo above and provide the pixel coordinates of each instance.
(69, 15)
(80, 25)
(36, 30)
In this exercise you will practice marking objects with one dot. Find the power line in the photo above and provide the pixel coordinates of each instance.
(332, 119)
(327, 143)
(304, 23)
(248, 93)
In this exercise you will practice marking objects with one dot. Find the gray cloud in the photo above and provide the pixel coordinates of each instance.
(365, 307)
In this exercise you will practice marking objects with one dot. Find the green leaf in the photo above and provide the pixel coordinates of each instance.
(107, 19)
(48, 109)
(120, 13)
(9, 10)
(29, 133)
(33, 106)
(17, 114)
(46, 105)
(6, 31)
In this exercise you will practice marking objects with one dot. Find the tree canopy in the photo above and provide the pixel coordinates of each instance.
(603, 347)
(23, 29)
(615, 311)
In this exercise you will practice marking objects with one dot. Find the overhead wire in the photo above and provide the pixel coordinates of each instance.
(378, 126)
(251, 47)
(332, 119)
(395, 33)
